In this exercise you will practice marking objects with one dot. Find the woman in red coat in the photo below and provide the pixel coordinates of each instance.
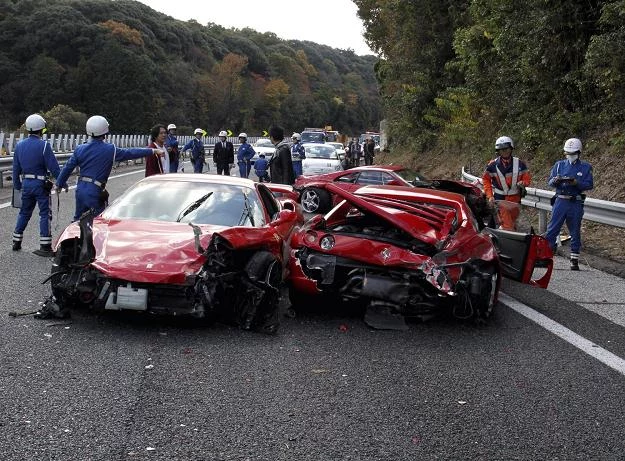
(154, 164)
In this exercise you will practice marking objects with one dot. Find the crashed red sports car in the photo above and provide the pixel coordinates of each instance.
(208, 246)
(411, 252)
(315, 198)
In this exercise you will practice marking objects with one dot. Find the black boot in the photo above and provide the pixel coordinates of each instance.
(45, 251)
(17, 246)
(574, 264)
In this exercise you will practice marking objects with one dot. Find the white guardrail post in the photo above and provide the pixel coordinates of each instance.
(600, 211)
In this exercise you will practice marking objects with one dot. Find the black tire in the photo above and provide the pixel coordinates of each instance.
(262, 269)
(485, 305)
(315, 200)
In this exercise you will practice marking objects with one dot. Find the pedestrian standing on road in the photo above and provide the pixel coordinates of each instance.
(354, 152)
(173, 150)
(95, 160)
(244, 156)
(369, 149)
(281, 165)
(156, 164)
(505, 179)
(571, 177)
(198, 156)
(223, 154)
(33, 159)
(298, 154)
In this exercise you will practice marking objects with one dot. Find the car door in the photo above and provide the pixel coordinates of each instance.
(520, 254)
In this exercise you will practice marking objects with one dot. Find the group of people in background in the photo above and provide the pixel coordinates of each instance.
(505, 177)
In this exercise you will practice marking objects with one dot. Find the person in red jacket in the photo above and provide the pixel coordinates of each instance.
(505, 179)
(155, 164)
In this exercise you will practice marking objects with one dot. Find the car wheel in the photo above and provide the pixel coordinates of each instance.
(488, 297)
(258, 309)
(315, 200)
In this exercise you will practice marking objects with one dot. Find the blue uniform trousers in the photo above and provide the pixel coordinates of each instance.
(570, 212)
(244, 168)
(34, 193)
(198, 165)
(297, 168)
(88, 196)
(173, 166)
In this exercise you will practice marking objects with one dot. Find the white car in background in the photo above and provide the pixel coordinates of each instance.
(320, 159)
(263, 146)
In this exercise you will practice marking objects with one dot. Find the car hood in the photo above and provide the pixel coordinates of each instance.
(154, 251)
(321, 161)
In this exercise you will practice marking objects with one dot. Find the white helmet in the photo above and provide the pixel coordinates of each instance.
(573, 145)
(243, 135)
(171, 126)
(296, 136)
(223, 134)
(504, 142)
(97, 126)
(199, 130)
(35, 122)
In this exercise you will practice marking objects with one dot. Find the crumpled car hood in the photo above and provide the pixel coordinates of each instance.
(146, 251)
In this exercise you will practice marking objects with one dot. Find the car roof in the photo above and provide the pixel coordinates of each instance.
(204, 178)
(378, 167)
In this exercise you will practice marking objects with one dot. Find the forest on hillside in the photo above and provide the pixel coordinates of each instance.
(137, 67)
(456, 74)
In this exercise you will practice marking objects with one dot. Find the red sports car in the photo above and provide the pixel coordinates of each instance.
(410, 252)
(316, 199)
(203, 245)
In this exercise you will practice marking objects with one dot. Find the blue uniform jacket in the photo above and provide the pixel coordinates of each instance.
(260, 166)
(245, 152)
(171, 141)
(579, 170)
(96, 158)
(298, 153)
(33, 155)
(197, 149)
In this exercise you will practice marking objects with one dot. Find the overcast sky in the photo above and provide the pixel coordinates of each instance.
(329, 22)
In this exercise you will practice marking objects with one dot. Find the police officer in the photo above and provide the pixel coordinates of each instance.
(571, 177)
(197, 150)
(223, 154)
(505, 179)
(260, 168)
(171, 144)
(33, 159)
(244, 156)
(95, 160)
(298, 153)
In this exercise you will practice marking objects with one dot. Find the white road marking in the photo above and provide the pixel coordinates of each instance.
(608, 358)
(8, 204)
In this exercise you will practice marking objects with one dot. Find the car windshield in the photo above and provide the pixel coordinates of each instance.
(336, 145)
(313, 136)
(264, 143)
(186, 201)
(321, 151)
(410, 175)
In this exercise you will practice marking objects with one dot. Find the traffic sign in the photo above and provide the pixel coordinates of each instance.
(265, 133)
(230, 133)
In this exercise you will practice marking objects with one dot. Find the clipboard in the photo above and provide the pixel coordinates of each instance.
(16, 199)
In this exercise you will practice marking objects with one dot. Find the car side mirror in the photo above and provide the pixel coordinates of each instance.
(288, 204)
(282, 217)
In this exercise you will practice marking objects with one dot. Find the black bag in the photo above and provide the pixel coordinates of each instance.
(104, 196)
(48, 185)
(553, 199)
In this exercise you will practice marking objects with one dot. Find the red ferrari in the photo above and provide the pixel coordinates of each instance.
(315, 198)
(204, 245)
(410, 252)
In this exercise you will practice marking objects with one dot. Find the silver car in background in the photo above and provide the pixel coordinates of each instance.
(320, 159)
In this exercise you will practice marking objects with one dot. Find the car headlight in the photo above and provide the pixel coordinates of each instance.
(327, 242)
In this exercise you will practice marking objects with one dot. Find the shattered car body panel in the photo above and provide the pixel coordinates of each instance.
(411, 252)
(156, 262)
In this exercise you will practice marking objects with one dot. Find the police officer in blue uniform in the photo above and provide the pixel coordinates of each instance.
(95, 159)
(171, 143)
(198, 156)
(298, 154)
(244, 156)
(33, 159)
(571, 178)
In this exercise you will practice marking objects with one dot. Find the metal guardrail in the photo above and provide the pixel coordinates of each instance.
(600, 211)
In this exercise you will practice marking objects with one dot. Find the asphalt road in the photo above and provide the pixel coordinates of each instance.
(125, 387)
